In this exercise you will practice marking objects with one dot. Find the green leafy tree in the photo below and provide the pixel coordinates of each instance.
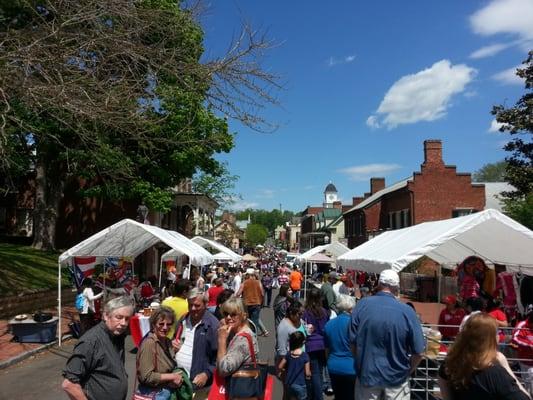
(219, 185)
(114, 92)
(491, 172)
(256, 234)
(518, 121)
(269, 219)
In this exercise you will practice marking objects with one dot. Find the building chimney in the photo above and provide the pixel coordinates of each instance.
(376, 184)
(357, 200)
(433, 152)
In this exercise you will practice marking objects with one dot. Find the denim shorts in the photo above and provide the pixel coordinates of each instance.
(298, 391)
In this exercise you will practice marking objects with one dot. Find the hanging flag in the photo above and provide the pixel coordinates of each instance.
(83, 267)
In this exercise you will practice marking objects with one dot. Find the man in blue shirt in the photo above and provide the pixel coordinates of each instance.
(388, 342)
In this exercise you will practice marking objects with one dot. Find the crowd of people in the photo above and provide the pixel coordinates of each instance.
(347, 336)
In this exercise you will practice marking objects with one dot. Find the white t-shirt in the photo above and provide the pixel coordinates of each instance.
(90, 297)
(336, 287)
(236, 284)
(184, 355)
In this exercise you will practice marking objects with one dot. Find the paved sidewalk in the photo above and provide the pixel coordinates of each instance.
(12, 352)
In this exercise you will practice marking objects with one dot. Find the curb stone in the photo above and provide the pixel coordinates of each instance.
(27, 354)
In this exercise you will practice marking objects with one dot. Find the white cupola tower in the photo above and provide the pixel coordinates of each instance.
(330, 195)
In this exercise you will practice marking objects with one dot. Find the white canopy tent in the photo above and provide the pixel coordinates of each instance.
(489, 235)
(222, 257)
(335, 249)
(204, 242)
(128, 238)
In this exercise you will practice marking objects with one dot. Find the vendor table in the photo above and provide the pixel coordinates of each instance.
(30, 331)
(139, 327)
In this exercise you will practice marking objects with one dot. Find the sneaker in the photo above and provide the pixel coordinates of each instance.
(329, 392)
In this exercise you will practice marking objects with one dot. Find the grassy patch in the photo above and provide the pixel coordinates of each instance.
(23, 269)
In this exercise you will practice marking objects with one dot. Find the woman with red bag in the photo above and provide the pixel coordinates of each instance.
(235, 339)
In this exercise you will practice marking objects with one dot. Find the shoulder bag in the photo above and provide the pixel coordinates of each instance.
(250, 379)
(137, 395)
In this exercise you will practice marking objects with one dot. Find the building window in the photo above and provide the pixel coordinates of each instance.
(461, 212)
(399, 219)
(406, 218)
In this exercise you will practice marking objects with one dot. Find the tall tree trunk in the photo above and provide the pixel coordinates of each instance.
(48, 193)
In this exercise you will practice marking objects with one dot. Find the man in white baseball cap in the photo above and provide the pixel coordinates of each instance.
(388, 341)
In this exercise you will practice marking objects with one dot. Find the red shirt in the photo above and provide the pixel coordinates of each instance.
(499, 315)
(447, 318)
(213, 293)
(523, 337)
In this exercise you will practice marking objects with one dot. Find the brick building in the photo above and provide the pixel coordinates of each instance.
(434, 193)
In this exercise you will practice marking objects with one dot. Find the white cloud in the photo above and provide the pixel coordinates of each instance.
(489, 51)
(332, 61)
(309, 187)
(266, 194)
(373, 122)
(495, 126)
(505, 17)
(424, 96)
(364, 172)
(242, 205)
(508, 76)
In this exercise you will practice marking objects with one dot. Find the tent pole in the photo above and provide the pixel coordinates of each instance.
(305, 280)
(59, 333)
(160, 271)
(439, 283)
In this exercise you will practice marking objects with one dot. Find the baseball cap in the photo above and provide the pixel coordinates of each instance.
(250, 271)
(450, 299)
(389, 277)
(333, 275)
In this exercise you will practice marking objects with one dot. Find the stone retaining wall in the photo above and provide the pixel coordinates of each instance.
(28, 303)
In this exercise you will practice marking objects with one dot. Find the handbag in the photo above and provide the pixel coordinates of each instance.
(137, 395)
(250, 379)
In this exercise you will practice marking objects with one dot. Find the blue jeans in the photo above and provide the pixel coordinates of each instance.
(254, 315)
(318, 361)
(162, 394)
(298, 392)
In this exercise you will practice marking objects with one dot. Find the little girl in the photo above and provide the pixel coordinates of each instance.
(297, 367)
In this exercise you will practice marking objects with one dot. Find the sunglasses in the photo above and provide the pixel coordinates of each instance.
(163, 324)
(232, 315)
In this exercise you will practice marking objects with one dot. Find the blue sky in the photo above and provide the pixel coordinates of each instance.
(366, 82)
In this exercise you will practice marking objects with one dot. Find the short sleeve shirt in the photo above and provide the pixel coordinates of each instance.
(296, 280)
(385, 333)
(493, 383)
(296, 368)
(97, 364)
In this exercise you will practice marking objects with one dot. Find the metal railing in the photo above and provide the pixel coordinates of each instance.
(424, 383)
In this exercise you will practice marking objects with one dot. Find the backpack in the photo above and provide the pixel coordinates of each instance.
(80, 302)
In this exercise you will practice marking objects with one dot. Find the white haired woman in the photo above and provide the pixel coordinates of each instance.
(338, 350)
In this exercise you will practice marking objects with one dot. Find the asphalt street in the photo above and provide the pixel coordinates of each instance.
(39, 377)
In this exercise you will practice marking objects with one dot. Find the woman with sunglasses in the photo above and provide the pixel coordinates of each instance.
(155, 359)
(234, 335)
